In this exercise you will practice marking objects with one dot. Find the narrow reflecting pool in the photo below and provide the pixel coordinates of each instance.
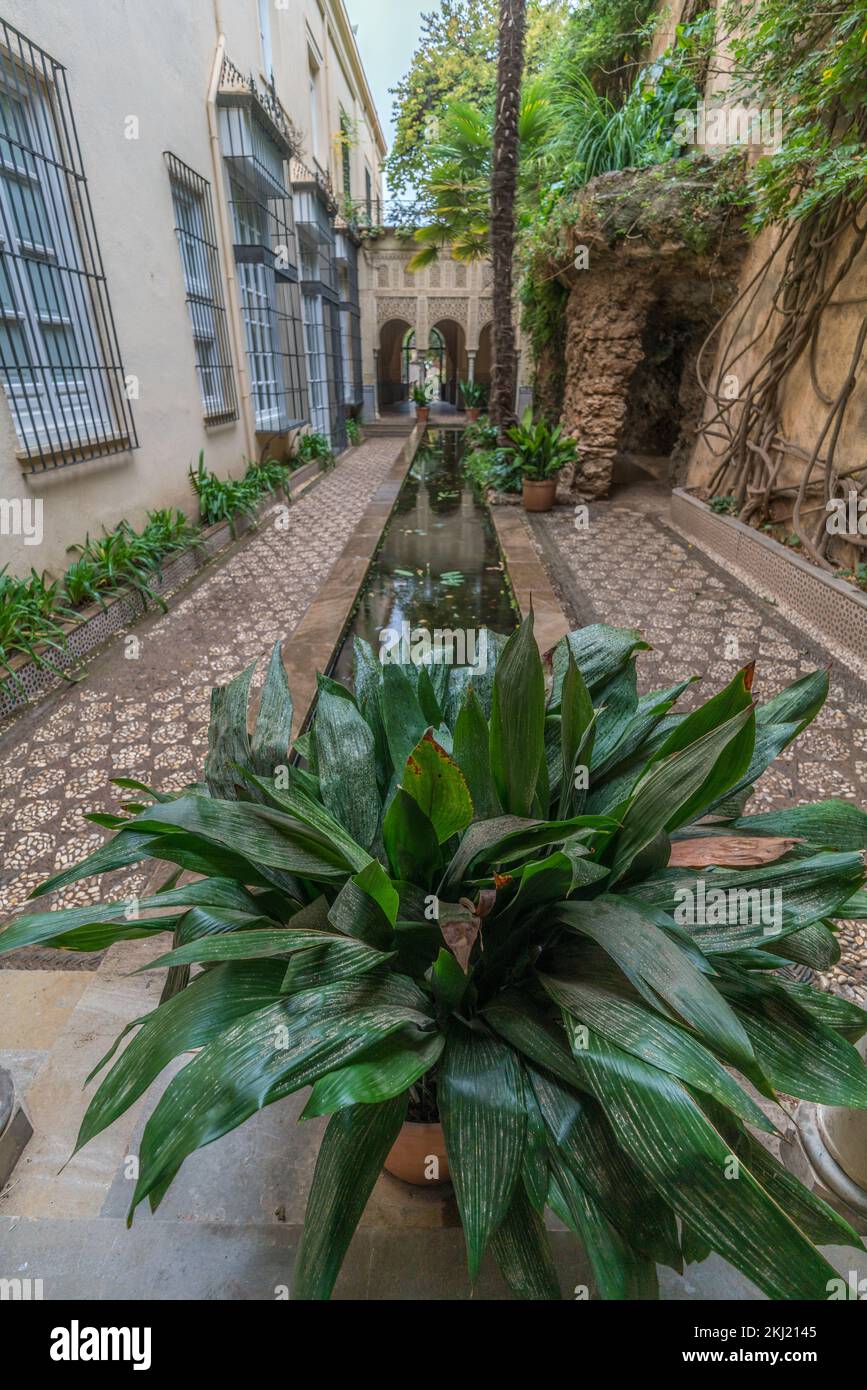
(439, 568)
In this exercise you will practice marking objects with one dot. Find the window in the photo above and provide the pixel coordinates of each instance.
(346, 155)
(368, 195)
(197, 243)
(266, 254)
(67, 398)
(317, 363)
(265, 39)
(313, 91)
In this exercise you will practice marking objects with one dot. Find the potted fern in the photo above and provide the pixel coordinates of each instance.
(541, 453)
(475, 396)
(472, 892)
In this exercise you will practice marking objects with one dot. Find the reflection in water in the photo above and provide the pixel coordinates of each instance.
(439, 567)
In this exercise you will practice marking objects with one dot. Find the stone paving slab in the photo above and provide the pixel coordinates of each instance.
(142, 710)
(630, 570)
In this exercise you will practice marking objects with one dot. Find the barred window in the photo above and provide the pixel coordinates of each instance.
(200, 262)
(59, 356)
(266, 253)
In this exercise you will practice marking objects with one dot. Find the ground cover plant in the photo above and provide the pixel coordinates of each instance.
(473, 888)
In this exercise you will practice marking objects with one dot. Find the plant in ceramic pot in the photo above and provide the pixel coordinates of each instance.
(421, 397)
(485, 901)
(475, 396)
(542, 453)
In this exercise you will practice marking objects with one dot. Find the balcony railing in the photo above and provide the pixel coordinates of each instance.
(372, 217)
(236, 88)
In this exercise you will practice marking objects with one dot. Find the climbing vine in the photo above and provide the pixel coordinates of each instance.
(808, 58)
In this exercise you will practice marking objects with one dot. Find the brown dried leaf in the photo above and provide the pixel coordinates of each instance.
(729, 851)
(460, 936)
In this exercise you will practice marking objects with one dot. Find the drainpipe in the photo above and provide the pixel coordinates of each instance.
(376, 414)
(227, 242)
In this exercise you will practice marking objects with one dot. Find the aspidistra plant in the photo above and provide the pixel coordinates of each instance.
(592, 1055)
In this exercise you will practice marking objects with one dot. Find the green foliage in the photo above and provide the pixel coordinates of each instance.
(724, 506)
(495, 468)
(314, 447)
(354, 432)
(540, 450)
(807, 59)
(474, 393)
(456, 62)
(32, 615)
(480, 434)
(222, 499)
(421, 395)
(583, 1042)
(124, 558)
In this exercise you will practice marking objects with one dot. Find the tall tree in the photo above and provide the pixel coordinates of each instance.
(504, 188)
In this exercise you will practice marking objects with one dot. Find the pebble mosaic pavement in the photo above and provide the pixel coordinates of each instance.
(147, 718)
(630, 570)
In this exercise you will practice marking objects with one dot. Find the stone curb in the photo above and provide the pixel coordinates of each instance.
(825, 608)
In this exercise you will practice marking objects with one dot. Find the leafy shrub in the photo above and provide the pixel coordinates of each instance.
(575, 1031)
(494, 468)
(221, 499)
(421, 395)
(315, 447)
(724, 506)
(474, 393)
(540, 450)
(480, 434)
(31, 619)
(354, 432)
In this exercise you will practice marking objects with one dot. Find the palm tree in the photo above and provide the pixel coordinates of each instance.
(504, 187)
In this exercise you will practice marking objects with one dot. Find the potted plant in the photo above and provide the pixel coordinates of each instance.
(495, 892)
(542, 453)
(475, 396)
(421, 399)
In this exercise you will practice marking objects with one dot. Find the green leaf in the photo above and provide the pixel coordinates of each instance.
(482, 1109)
(837, 825)
(473, 757)
(658, 969)
(637, 1029)
(686, 1159)
(523, 1252)
(388, 1069)
(212, 1003)
(620, 1272)
(437, 784)
(410, 841)
(681, 785)
(517, 738)
(273, 730)
(800, 1054)
(228, 740)
(346, 764)
(356, 1144)
(262, 1058)
(366, 907)
(576, 732)
(799, 703)
(600, 653)
(403, 717)
(259, 945)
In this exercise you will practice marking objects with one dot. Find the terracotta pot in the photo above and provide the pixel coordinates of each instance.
(422, 414)
(540, 497)
(414, 1148)
(473, 413)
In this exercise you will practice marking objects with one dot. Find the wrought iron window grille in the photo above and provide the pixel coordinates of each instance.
(200, 262)
(60, 360)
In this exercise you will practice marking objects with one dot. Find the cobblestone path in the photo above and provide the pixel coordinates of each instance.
(630, 570)
(146, 718)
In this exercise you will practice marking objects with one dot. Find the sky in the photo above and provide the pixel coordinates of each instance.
(388, 33)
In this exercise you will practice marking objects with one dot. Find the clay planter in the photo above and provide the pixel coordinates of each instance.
(539, 497)
(473, 413)
(422, 414)
(413, 1149)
